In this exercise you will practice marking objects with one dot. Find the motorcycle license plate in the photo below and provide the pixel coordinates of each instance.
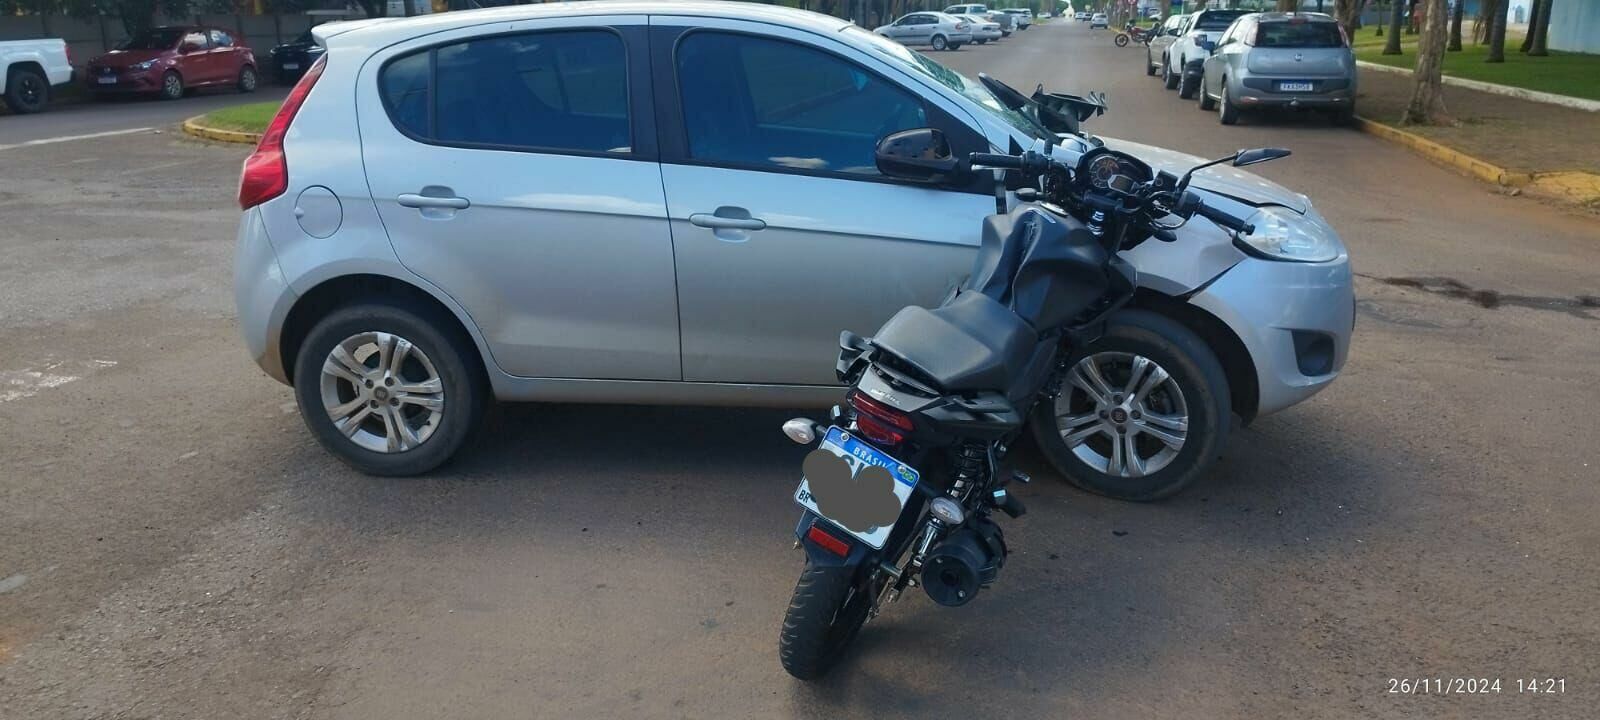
(108, 81)
(858, 455)
(291, 66)
(1294, 87)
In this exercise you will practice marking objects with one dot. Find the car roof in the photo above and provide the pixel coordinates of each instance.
(1285, 17)
(400, 28)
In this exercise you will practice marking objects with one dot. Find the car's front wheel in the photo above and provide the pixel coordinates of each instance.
(388, 388)
(939, 42)
(1140, 413)
(171, 86)
(247, 79)
(26, 91)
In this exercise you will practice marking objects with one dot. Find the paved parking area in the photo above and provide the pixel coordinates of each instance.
(173, 543)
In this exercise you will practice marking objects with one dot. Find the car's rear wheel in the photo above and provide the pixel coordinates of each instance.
(1206, 103)
(171, 86)
(1187, 85)
(26, 91)
(1227, 112)
(939, 42)
(388, 388)
(1345, 116)
(1141, 412)
(247, 79)
(1168, 79)
(1149, 63)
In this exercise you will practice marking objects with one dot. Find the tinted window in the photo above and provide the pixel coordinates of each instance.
(1299, 35)
(404, 85)
(752, 101)
(221, 39)
(1217, 20)
(560, 91)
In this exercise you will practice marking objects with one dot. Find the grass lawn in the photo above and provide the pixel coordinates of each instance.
(1575, 74)
(245, 118)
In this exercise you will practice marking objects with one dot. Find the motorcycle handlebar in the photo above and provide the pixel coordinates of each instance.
(1224, 219)
(997, 161)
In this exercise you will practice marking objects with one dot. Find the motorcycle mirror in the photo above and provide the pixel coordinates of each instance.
(921, 155)
(1258, 155)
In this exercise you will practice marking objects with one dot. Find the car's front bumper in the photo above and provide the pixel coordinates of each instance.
(261, 294)
(1295, 320)
(124, 81)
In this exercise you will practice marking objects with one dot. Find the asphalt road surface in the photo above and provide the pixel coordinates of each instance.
(121, 115)
(173, 543)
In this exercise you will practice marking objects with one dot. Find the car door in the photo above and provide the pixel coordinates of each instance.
(514, 167)
(224, 57)
(194, 59)
(920, 30)
(1227, 46)
(785, 233)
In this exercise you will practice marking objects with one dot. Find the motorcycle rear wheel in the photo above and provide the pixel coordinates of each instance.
(829, 606)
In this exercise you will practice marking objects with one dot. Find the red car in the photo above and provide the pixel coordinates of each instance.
(166, 61)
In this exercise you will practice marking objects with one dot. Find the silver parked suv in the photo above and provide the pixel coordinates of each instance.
(1289, 60)
(677, 202)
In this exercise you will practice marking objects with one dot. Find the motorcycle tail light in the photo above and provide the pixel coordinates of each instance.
(828, 542)
(879, 422)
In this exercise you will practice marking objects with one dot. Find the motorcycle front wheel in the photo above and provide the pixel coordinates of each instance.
(828, 608)
(1121, 40)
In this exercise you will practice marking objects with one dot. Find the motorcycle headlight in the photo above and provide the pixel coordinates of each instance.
(1283, 234)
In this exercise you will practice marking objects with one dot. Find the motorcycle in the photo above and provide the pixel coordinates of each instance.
(1134, 33)
(903, 485)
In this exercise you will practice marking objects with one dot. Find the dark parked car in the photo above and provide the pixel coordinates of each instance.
(167, 61)
(290, 60)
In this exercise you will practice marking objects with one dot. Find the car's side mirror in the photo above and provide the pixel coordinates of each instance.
(1258, 155)
(922, 155)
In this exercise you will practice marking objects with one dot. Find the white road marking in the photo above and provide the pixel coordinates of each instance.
(19, 384)
(70, 138)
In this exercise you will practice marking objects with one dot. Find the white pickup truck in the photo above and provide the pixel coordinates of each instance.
(30, 68)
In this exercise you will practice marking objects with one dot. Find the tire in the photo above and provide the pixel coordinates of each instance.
(1186, 86)
(1167, 78)
(247, 79)
(938, 42)
(1202, 397)
(1345, 116)
(439, 356)
(26, 91)
(1120, 40)
(171, 86)
(1149, 64)
(956, 46)
(820, 625)
(1206, 103)
(1227, 112)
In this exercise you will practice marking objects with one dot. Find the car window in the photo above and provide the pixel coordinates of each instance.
(547, 91)
(158, 39)
(1299, 35)
(221, 39)
(761, 102)
(1219, 20)
(196, 38)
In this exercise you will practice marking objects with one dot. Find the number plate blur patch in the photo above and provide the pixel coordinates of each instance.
(1294, 87)
(852, 489)
(108, 81)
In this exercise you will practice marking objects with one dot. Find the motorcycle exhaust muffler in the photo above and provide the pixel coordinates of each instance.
(965, 562)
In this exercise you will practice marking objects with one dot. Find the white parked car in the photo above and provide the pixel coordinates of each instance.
(1098, 20)
(983, 29)
(941, 31)
(30, 68)
(1006, 22)
(1024, 16)
(1081, 16)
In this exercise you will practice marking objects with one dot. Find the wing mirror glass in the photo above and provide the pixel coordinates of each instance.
(1258, 155)
(921, 155)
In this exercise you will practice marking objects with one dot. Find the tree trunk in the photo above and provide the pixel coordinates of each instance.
(1396, 13)
(1455, 26)
(1483, 21)
(1427, 94)
(1541, 32)
(1287, 5)
(1533, 21)
(1497, 34)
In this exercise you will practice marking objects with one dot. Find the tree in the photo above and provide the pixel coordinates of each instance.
(1533, 21)
(1455, 25)
(1392, 45)
(1540, 31)
(1483, 21)
(1349, 14)
(1427, 92)
(1497, 33)
(1287, 5)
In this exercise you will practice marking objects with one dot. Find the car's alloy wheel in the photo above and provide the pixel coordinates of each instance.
(1227, 114)
(171, 86)
(382, 392)
(247, 80)
(939, 42)
(1122, 414)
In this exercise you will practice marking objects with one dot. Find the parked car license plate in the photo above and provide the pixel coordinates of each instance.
(291, 66)
(108, 81)
(859, 455)
(1294, 87)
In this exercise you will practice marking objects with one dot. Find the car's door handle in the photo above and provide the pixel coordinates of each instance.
(720, 222)
(413, 200)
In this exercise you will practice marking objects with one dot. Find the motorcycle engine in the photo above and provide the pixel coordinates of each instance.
(965, 562)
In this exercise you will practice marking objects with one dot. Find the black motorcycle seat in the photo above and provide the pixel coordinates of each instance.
(971, 343)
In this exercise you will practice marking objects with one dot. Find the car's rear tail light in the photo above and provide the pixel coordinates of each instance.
(266, 171)
(828, 542)
(878, 422)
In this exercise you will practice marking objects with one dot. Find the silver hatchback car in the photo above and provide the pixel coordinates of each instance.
(1287, 60)
(677, 202)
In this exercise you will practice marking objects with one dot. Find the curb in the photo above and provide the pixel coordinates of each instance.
(193, 127)
(1575, 103)
(1582, 188)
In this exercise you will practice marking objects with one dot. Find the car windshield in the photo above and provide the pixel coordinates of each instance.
(1024, 121)
(1299, 35)
(1218, 20)
(159, 39)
